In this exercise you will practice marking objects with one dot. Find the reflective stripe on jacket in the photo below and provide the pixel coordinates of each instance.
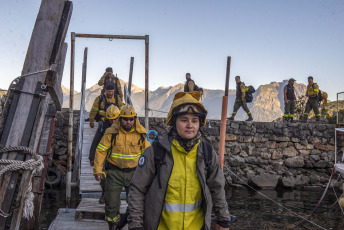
(127, 150)
(147, 200)
(312, 90)
(182, 207)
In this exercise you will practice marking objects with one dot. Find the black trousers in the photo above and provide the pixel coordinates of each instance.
(97, 137)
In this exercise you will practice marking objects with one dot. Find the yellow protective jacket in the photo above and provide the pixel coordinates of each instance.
(183, 200)
(96, 108)
(113, 80)
(127, 149)
(188, 192)
(240, 91)
(312, 90)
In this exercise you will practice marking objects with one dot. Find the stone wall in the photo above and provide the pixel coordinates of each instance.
(273, 154)
(262, 154)
(60, 138)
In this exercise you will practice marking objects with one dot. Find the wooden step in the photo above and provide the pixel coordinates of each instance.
(91, 209)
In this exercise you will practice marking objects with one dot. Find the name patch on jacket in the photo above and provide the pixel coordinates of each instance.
(142, 161)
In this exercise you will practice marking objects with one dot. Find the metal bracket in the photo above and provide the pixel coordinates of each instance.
(26, 92)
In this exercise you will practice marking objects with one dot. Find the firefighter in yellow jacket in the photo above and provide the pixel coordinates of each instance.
(313, 100)
(107, 78)
(123, 144)
(179, 180)
(102, 102)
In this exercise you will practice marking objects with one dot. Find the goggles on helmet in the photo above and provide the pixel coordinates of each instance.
(189, 108)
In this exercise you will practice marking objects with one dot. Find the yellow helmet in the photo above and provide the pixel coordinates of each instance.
(187, 103)
(112, 112)
(128, 111)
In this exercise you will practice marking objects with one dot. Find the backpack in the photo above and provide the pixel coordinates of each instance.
(249, 91)
(320, 96)
(160, 153)
(98, 117)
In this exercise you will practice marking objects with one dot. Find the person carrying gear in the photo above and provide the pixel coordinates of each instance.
(112, 114)
(312, 102)
(102, 102)
(122, 145)
(179, 179)
(289, 100)
(108, 77)
(240, 100)
(190, 85)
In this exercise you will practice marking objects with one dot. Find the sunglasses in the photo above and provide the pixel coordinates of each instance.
(128, 118)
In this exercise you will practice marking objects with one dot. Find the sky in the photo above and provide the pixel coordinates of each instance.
(268, 40)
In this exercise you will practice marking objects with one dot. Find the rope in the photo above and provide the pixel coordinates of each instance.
(35, 164)
(337, 199)
(322, 197)
(305, 219)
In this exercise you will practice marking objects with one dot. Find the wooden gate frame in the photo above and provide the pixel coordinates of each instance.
(71, 93)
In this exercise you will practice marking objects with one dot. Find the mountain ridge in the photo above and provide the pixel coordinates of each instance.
(267, 105)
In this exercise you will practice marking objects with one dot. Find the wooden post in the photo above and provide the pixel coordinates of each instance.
(28, 119)
(146, 82)
(224, 116)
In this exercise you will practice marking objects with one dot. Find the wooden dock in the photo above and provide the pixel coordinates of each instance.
(89, 214)
(89, 187)
(68, 218)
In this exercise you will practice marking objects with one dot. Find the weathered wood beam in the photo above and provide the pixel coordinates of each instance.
(54, 90)
(38, 58)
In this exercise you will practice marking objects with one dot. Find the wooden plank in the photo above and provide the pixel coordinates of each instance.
(91, 209)
(55, 90)
(66, 220)
(62, 31)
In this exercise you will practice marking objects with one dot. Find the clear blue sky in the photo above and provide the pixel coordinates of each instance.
(268, 40)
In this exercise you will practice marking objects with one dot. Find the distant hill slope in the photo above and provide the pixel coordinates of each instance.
(267, 104)
(332, 107)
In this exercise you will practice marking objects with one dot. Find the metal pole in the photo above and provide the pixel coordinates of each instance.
(335, 146)
(130, 74)
(146, 82)
(70, 125)
(337, 110)
(224, 116)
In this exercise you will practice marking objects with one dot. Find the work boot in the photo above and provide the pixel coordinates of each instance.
(317, 118)
(231, 118)
(291, 119)
(102, 198)
(250, 118)
(112, 225)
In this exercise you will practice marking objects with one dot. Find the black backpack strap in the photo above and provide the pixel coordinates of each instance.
(113, 142)
(100, 100)
(207, 156)
(159, 156)
(142, 139)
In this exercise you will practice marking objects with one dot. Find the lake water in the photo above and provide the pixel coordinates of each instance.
(253, 211)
